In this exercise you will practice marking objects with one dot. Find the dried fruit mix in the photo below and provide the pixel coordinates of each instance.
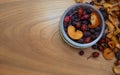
(109, 44)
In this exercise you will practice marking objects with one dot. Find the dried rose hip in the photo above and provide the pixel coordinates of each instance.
(95, 54)
(117, 54)
(81, 52)
(84, 27)
(86, 16)
(87, 40)
(78, 25)
(80, 12)
(67, 19)
(117, 62)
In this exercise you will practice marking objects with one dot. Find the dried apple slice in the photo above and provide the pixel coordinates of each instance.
(110, 26)
(112, 44)
(116, 70)
(95, 20)
(108, 54)
(74, 34)
(107, 5)
(113, 20)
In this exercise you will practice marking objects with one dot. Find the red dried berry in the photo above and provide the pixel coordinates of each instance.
(78, 25)
(87, 40)
(101, 41)
(86, 16)
(84, 27)
(67, 19)
(80, 12)
(107, 40)
(95, 54)
(101, 48)
(81, 53)
(117, 62)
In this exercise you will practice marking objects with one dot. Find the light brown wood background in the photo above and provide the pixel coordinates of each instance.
(30, 43)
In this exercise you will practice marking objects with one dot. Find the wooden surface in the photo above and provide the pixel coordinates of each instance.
(30, 43)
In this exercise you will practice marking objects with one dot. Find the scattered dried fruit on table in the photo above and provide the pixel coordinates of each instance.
(81, 52)
(116, 70)
(109, 45)
(94, 55)
(108, 54)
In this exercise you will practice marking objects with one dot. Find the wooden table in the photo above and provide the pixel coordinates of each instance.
(30, 42)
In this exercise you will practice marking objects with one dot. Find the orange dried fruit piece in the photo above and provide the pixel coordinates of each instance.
(112, 44)
(107, 5)
(74, 34)
(79, 1)
(113, 19)
(108, 54)
(110, 25)
(95, 20)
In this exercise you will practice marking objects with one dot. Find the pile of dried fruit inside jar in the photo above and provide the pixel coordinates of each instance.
(109, 44)
(82, 24)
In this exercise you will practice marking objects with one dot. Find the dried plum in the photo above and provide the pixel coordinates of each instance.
(117, 54)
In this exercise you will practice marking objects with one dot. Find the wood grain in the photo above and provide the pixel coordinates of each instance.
(30, 43)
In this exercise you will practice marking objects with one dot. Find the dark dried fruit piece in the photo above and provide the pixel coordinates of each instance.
(80, 12)
(94, 55)
(81, 40)
(93, 37)
(86, 33)
(101, 48)
(107, 40)
(106, 45)
(118, 35)
(97, 29)
(84, 27)
(92, 30)
(88, 11)
(81, 53)
(78, 25)
(92, 3)
(99, 1)
(117, 62)
(86, 16)
(119, 25)
(95, 46)
(86, 22)
(117, 54)
(87, 40)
